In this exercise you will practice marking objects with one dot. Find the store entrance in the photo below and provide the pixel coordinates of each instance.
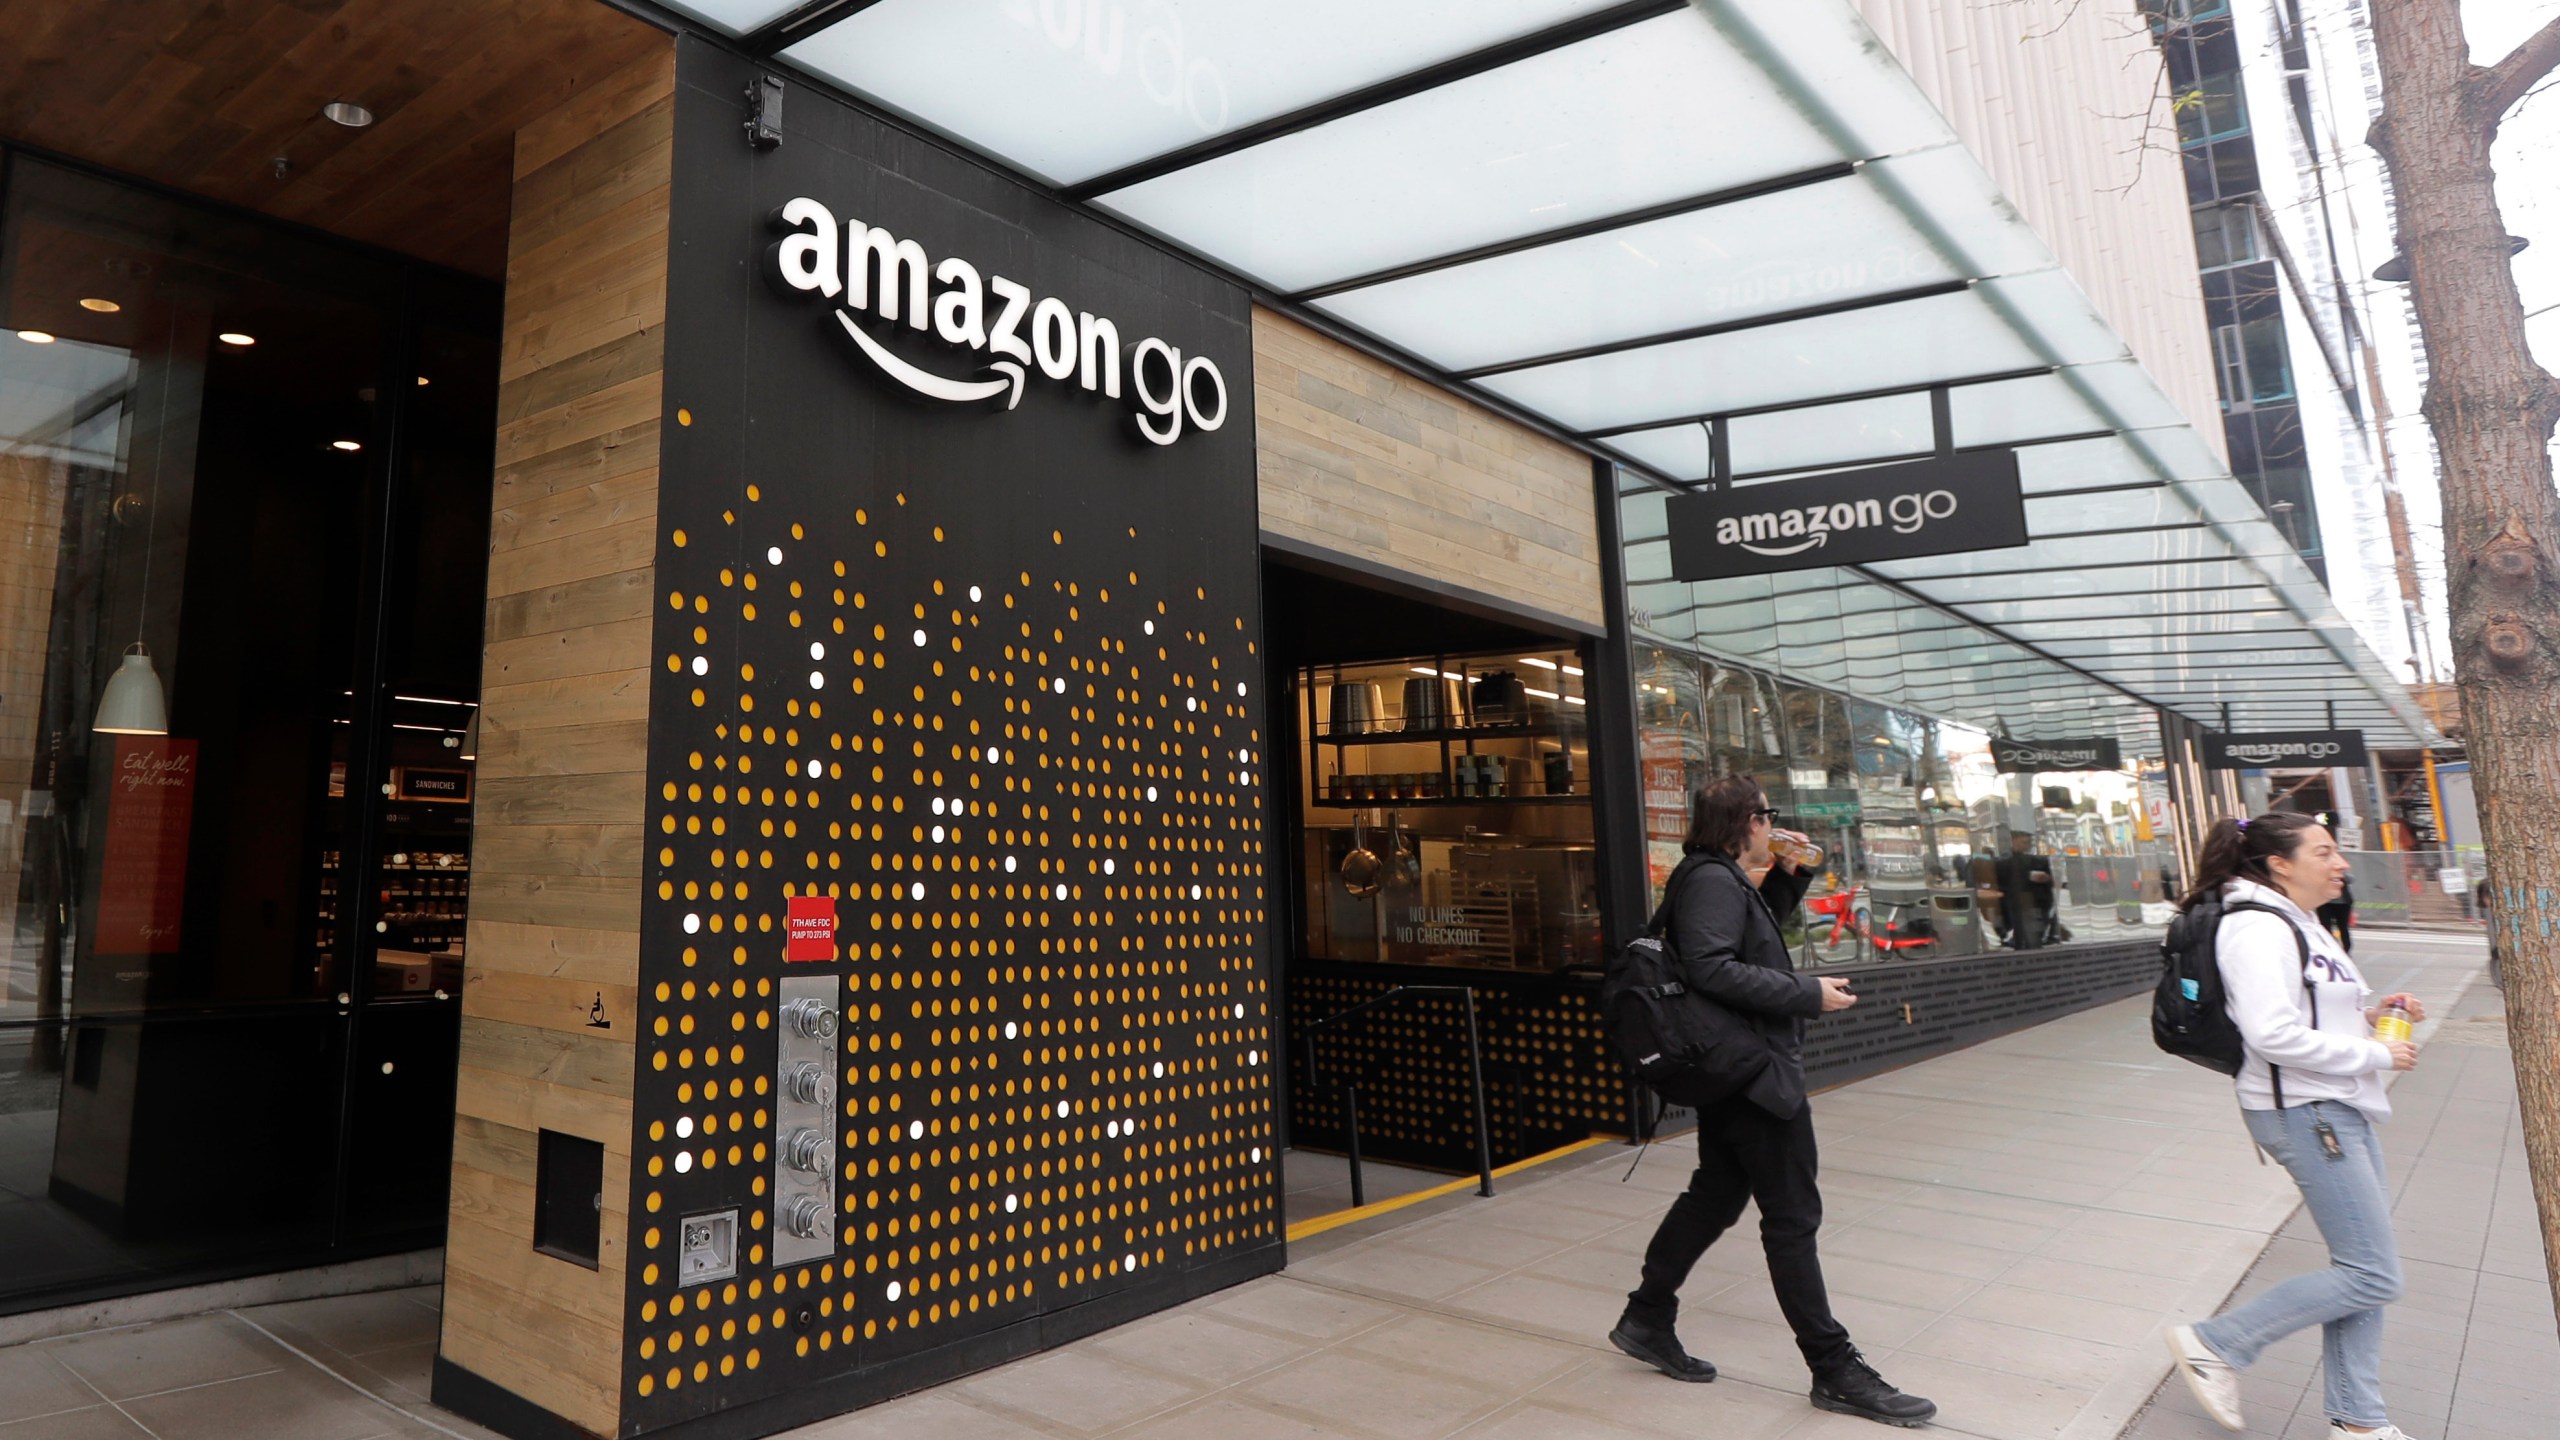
(244, 518)
(1438, 837)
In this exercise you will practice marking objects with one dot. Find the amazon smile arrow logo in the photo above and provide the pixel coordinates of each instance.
(870, 272)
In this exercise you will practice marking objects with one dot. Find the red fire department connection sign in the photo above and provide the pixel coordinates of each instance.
(812, 926)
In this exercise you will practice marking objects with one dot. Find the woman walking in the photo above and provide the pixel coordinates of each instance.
(2310, 1088)
(1758, 1144)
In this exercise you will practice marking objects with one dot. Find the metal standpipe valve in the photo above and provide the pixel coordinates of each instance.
(813, 1018)
(805, 1216)
(806, 1150)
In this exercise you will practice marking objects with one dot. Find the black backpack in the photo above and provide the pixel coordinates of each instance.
(1686, 1046)
(2190, 1012)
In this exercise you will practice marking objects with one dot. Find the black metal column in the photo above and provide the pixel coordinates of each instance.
(1617, 809)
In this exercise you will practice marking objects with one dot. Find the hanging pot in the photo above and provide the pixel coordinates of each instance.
(1404, 867)
(1362, 871)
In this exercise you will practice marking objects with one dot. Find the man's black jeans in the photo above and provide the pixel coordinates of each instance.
(1745, 1153)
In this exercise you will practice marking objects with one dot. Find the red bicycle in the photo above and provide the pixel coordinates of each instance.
(1849, 912)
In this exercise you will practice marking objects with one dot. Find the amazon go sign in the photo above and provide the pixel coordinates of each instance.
(990, 329)
(1851, 517)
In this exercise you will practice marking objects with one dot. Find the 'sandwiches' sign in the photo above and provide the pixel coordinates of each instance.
(2029, 757)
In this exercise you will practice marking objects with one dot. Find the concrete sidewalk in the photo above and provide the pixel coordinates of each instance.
(2007, 1229)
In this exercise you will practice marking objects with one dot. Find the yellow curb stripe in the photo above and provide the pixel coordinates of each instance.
(1318, 1224)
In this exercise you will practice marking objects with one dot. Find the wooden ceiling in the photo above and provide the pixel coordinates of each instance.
(206, 96)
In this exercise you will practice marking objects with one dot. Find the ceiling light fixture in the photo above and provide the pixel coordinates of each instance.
(349, 446)
(99, 307)
(235, 337)
(35, 337)
(348, 113)
(422, 379)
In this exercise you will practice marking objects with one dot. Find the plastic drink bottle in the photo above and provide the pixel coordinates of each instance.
(1788, 845)
(2392, 1025)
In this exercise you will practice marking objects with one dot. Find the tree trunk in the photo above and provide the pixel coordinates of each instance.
(2492, 409)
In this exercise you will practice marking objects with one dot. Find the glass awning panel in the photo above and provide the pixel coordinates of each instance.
(1913, 343)
(1647, 227)
(1069, 90)
(1714, 266)
(1653, 112)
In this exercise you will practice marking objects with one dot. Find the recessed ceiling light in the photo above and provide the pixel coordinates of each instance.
(422, 379)
(350, 446)
(35, 337)
(348, 113)
(102, 307)
(234, 337)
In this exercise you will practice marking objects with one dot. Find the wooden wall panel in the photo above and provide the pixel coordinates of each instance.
(1361, 459)
(555, 879)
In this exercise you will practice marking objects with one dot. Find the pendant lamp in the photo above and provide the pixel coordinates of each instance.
(471, 736)
(134, 703)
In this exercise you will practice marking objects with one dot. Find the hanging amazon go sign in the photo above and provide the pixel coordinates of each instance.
(2285, 750)
(2034, 757)
(881, 284)
(1889, 512)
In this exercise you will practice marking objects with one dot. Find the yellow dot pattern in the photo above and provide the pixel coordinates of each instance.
(1035, 794)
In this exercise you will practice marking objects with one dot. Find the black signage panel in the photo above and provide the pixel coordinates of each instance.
(2284, 750)
(1890, 512)
(2028, 757)
(958, 632)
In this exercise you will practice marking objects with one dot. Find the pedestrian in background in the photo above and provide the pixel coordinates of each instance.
(1757, 1145)
(2310, 1088)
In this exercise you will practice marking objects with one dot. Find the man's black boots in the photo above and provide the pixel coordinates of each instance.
(1659, 1347)
(1854, 1388)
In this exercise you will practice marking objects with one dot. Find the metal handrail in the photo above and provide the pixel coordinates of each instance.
(1351, 1091)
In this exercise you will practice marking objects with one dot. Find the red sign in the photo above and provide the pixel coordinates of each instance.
(812, 927)
(143, 882)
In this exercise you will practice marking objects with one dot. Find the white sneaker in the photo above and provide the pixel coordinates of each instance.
(2215, 1383)
(2387, 1432)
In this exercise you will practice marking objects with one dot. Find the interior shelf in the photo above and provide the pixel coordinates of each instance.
(1454, 734)
(1447, 801)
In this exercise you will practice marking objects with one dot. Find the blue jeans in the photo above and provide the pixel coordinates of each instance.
(2351, 1201)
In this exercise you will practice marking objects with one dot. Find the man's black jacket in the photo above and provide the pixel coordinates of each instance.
(1726, 937)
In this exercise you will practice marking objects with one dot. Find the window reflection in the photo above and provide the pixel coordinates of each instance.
(1929, 851)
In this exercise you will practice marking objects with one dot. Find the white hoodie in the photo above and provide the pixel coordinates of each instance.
(2262, 972)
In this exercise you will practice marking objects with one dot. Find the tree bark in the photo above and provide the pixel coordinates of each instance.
(2492, 410)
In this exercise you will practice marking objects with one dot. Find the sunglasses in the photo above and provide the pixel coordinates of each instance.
(1764, 813)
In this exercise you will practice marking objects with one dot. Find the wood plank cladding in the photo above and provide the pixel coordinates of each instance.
(209, 98)
(1363, 460)
(554, 942)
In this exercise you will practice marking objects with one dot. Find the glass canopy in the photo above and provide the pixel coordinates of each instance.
(1650, 225)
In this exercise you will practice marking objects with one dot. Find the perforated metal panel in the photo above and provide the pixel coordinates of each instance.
(989, 681)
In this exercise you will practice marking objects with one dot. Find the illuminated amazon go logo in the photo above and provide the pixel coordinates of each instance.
(1793, 529)
(874, 275)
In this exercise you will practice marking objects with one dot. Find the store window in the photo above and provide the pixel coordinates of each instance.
(1447, 811)
(207, 427)
(1928, 850)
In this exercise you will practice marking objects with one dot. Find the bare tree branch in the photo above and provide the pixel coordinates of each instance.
(2506, 82)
